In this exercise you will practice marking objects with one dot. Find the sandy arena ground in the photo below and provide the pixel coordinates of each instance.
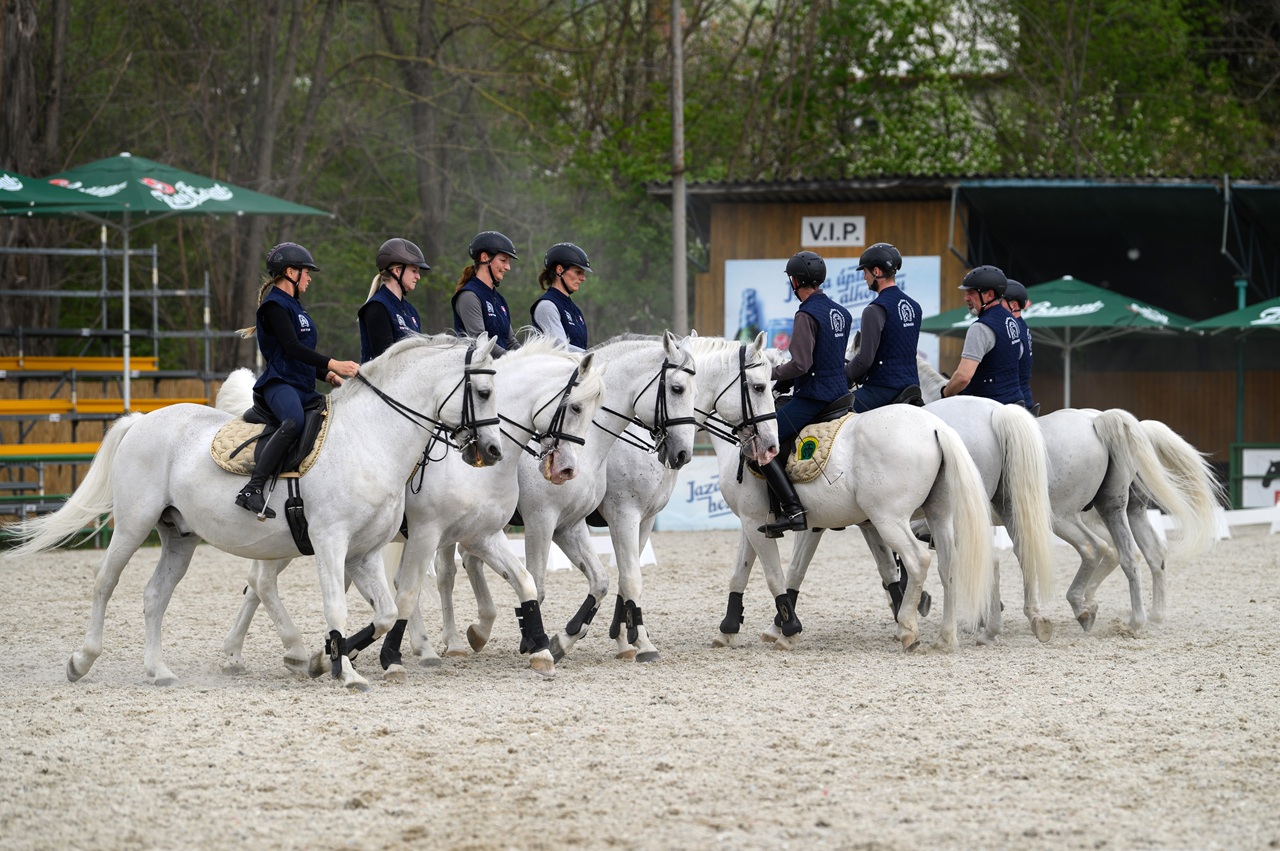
(1100, 741)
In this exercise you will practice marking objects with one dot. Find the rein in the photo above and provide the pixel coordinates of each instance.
(662, 420)
(554, 430)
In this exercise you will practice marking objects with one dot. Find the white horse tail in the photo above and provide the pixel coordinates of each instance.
(1190, 472)
(970, 569)
(1129, 446)
(87, 508)
(235, 396)
(1026, 481)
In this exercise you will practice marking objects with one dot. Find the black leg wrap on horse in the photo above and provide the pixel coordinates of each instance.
(390, 654)
(898, 591)
(618, 609)
(732, 614)
(787, 619)
(360, 640)
(336, 648)
(583, 616)
(634, 619)
(794, 594)
(533, 637)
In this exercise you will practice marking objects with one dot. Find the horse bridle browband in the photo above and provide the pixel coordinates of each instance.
(554, 430)
(718, 426)
(662, 420)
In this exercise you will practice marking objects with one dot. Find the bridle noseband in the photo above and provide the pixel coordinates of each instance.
(554, 430)
(721, 428)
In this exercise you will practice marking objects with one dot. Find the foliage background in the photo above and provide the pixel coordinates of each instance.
(433, 119)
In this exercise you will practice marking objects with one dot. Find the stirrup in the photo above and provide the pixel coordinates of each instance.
(251, 499)
(791, 523)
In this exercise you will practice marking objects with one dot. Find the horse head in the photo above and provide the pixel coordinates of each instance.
(674, 407)
(735, 399)
(562, 420)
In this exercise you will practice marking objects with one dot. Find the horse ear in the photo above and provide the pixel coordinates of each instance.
(584, 365)
(855, 343)
(485, 344)
(670, 344)
(759, 345)
(693, 332)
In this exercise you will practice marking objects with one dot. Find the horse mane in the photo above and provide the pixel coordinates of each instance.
(931, 380)
(537, 343)
(590, 385)
(374, 369)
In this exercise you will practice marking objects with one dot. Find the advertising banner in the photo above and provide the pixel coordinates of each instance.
(695, 503)
(758, 297)
(1260, 477)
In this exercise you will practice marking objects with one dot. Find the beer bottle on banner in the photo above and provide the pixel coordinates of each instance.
(749, 321)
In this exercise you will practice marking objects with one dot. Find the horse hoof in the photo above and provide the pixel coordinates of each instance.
(910, 645)
(318, 666)
(987, 639)
(299, 665)
(165, 681)
(787, 642)
(395, 674)
(456, 652)
(429, 661)
(542, 664)
(725, 639)
(234, 669)
(557, 650)
(359, 685)
(1043, 629)
(647, 656)
(627, 655)
(1086, 620)
(771, 635)
(475, 639)
(73, 673)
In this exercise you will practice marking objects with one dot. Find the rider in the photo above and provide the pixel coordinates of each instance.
(1016, 299)
(388, 316)
(886, 361)
(287, 339)
(818, 337)
(564, 269)
(477, 304)
(992, 346)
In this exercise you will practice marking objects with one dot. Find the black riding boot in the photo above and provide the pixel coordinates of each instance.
(790, 516)
(266, 462)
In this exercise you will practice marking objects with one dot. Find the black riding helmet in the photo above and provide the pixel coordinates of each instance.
(985, 278)
(882, 256)
(288, 254)
(1014, 291)
(807, 268)
(566, 254)
(493, 243)
(397, 251)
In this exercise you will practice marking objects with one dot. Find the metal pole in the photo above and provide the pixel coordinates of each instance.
(127, 367)
(1066, 368)
(679, 246)
(1241, 286)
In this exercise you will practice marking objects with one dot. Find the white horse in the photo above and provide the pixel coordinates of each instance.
(885, 467)
(155, 471)
(549, 397)
(1096, 459)
(734, 394)
(651, 385)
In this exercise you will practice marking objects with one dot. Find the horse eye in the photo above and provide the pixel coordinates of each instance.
(760, 388)
(677, 389)
(484, 394)
(575, 408)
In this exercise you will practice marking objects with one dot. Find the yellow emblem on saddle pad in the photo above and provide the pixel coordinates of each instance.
(234, 435)
(813, 447)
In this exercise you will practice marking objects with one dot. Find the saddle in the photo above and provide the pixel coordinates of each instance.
(258, 423)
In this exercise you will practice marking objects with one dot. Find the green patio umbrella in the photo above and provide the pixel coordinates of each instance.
(1259, 317)
(24, 196)
(1067, 314)
(124, 191)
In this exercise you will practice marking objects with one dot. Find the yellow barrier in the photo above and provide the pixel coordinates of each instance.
(51, 452)
(84, 363)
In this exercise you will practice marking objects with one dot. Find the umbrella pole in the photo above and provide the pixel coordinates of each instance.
(1066, 368)
(1241, 286)
(127, 367)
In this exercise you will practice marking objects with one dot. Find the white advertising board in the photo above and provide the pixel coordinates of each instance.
(695, 503)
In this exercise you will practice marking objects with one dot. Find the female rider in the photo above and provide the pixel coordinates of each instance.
(388, 316)
(477, 304)
(554, 314)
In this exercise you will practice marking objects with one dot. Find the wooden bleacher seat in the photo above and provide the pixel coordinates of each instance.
(145, 405)
(34, 407)
(81, 363)
(53, 453)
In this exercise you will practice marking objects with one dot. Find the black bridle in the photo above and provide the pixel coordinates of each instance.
(721, 428)
(469, 427)
(662, 420)
(554, 430)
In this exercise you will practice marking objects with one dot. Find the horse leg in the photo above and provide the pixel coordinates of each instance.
(804, 545)
(233, 644)
(885, 535)
(1153, 550)
(1092, 550)
(264, 588)
(1112, 512)
(446, 574)
(492, 550)
(728, 636)
(625, 534)
(369, 574)
(771, 561)
(416, 628)
(575, 541)
(330, 563)
(124, 543)
(1041, 625)
(176, 548)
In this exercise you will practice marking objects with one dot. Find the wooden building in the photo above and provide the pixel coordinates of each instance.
(1189, 246)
